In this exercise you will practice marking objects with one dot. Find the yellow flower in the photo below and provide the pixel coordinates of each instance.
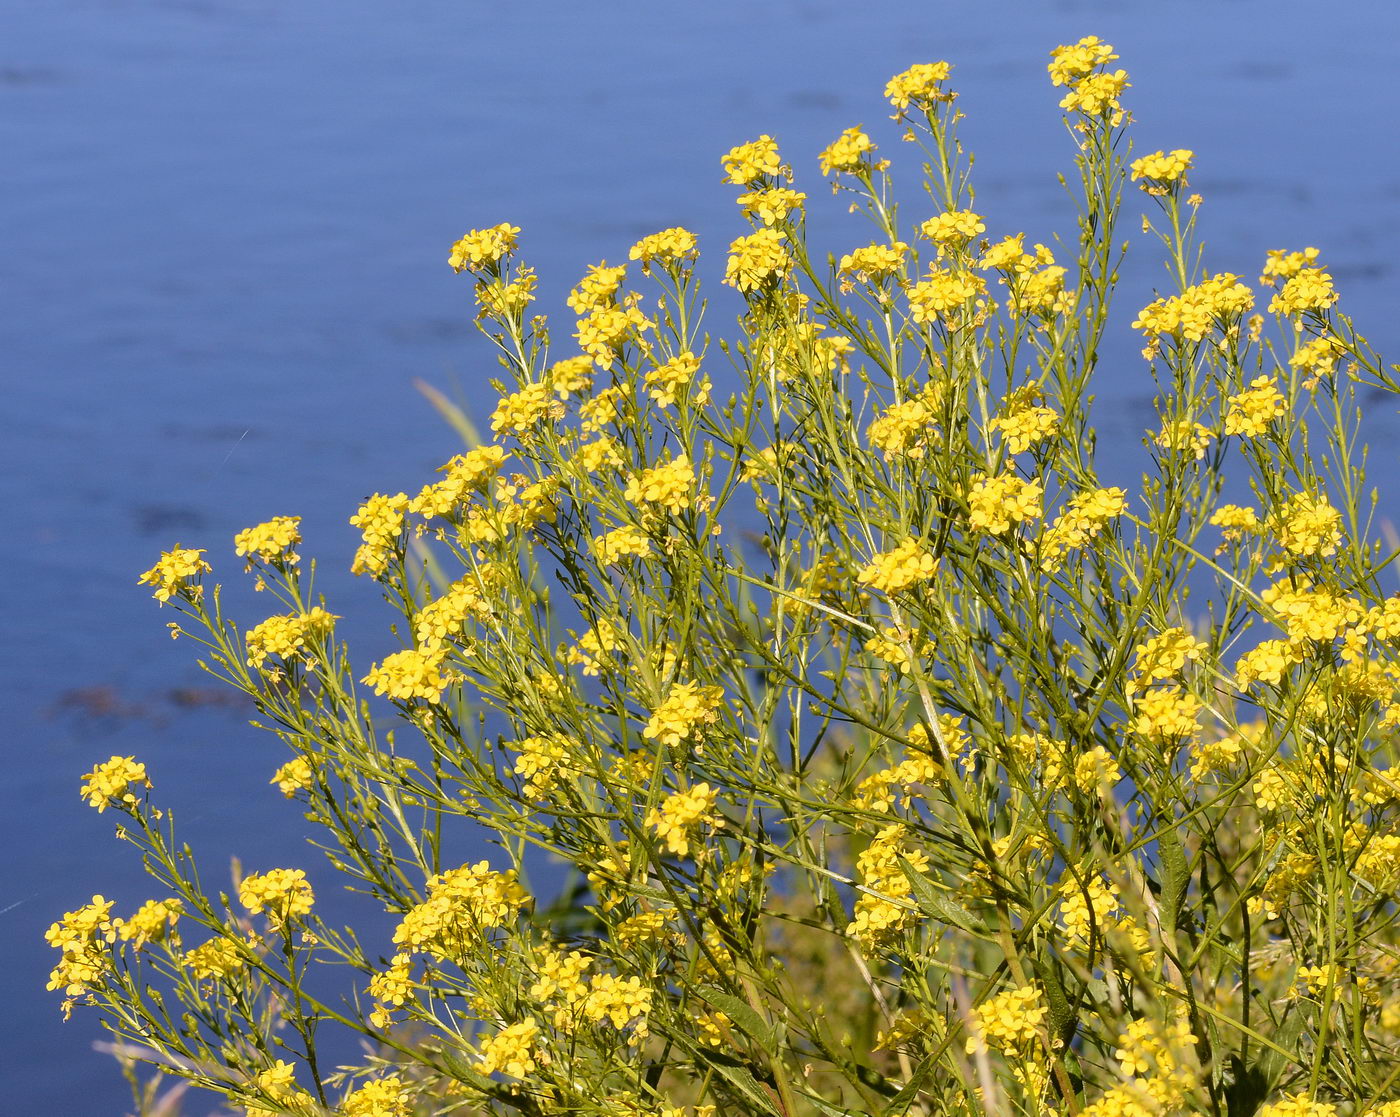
(1008, 1021)
(218, 959)
(897, 570)
(996, 503)
(753, 160)
(670, 485)
(384, 1097)
(1163, 657)
(1251, 411)
(773, 204)
(621, 1001)
(295, 775)
(1235, 520)
(847, 152)
(1309, 289)
(667, 381)
(679, 815)
(1162, 169)
(461, 903)
(757, 260)
(1068, 64)
(409, 674)
(1308, 525)
(903, 429)
(110, 783)
(271, 542)
(954, 227)
(1217, 301)
(153, 921)
(921, 84)
(1097, 94)
(624, 542)
(883, 908)
(519, 411)
(686, 709)
(482, 248)
(874, 262)
(943, 294)
(1280, 264)
(380, 520)
(511, 1050)
(1083, 518)
(171, 574)
(1166, 715)
(674, 246)
(1022, 427)
(571, 376)
(287, 636)
(282, 894)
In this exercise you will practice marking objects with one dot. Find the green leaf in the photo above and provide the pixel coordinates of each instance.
(933, 902)
(745, 1018)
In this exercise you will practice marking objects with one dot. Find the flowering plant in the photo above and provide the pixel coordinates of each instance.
(890, 768)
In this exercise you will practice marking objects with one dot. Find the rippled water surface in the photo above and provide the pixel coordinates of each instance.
(223, 231)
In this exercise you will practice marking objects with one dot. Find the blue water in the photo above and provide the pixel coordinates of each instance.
(223, 233)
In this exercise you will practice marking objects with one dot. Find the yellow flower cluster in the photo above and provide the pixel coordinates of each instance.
(883, 908)
(82, 937)
(942, 294)
(504, 300)
(384, 1097)
(483, 248)
(1309, 289)
(272, 541)
(756, 159)
(511, 1051)
(391, 989)
(1023, 427)
(954, 227)
(897, 570)
(1267, 663)
(464, 475)
(1082, 518)
(621, 1001)
(902, 430)
(1279, 263)
(1299, 1105)
(461, 904)
(1009, 1021)
(1250, 412)
(445, 619)
(409, 674)
(847, 152)
(1162, 169)
(896, 647)
(597, 288)
(1166, 715)
(1318, 357)
(281, 894)
(594, 647)
(1217, 300)
(1235, 520)
(172, 573)
(921, 85)
(757, 260)
(1163, 657)
(685, 711)
(604, 330)
(670, 485)
(624, 542)
(110, 783)
(1183, 436)
(1098, 94)
(277, 1085)
(670, 246)
(668, 380)
(286, 636)
(153, 921)
(1308, 525)
(520, 411)
(874, 262)
(540, 761)
(680, 815)
(1069, 64)
(1309, 614)
(295, 775)
(772, 204)
(380, 520)
(218, 959)
(996, 503)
